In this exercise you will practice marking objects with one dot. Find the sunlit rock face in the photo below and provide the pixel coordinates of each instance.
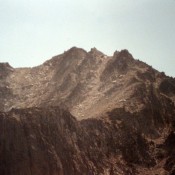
(87, 113)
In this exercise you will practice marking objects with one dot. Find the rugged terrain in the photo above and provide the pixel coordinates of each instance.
(87, 113)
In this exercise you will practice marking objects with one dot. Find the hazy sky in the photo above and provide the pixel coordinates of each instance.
(32, 31)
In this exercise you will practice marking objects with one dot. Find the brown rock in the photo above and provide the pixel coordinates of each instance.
(124, 116)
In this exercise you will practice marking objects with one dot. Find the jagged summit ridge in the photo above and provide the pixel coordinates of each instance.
(88, 83)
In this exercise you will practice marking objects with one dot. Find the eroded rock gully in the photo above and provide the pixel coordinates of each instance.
(121, 119)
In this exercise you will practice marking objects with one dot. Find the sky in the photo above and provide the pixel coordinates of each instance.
(32, 31)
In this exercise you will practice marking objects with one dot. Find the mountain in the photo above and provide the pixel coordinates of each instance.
(87, 113)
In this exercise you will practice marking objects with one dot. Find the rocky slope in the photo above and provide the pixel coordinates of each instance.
(121, 120)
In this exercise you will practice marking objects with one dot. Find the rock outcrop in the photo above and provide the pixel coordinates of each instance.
(121, 119)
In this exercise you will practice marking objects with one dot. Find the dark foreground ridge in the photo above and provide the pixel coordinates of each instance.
(121, 119)
(40, 141)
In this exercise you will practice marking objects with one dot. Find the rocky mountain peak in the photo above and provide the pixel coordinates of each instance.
(5, 66)
(118, 116)
(75, 51)
(5, 69)
(95, 52)
(123, 56)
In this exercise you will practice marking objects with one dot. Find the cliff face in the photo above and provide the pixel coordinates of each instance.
(44, 141)
(121, 119)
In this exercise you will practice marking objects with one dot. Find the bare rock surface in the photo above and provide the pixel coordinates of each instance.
(121, 119)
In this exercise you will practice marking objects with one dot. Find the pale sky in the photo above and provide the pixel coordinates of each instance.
(32, 31)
